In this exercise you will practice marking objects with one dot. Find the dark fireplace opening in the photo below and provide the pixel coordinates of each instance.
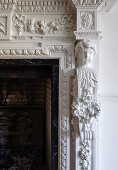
(29, 114)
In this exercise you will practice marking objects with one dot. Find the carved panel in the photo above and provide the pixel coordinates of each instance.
(5, 26)
(87, 20)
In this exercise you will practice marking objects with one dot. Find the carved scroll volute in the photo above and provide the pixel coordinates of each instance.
(85, 107)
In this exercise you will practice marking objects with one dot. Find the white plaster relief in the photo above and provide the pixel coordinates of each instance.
(7, 5)
(50, 6)
(23, 52)
(63, 117)
(5, 23)
(46, 51)
(87, 20)
(88, 2)
(95, 35)
(61, 24)
(85, 107)
(67, 50)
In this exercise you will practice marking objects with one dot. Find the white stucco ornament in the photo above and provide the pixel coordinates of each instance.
(85, 107)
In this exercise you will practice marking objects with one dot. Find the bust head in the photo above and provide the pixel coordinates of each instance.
(84, 52)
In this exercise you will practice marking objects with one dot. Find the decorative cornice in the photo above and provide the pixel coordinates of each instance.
(37, 6)
(45, 6)
(101, 5)
(87, 3)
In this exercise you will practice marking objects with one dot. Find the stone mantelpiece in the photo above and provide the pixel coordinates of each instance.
(45, 30)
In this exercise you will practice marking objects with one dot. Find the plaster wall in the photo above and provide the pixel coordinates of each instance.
(108, 87)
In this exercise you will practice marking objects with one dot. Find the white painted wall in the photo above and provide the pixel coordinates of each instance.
(108, 75)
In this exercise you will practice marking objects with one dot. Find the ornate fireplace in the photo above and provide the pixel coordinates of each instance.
(39, 64)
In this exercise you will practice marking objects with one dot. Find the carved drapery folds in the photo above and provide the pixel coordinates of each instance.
(85, 107)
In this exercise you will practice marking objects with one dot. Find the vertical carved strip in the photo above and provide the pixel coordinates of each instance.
(64, 122)
(85, 108)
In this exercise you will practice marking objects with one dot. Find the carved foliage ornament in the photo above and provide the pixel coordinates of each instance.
(85, 107)
(23, 24)
(87, 19)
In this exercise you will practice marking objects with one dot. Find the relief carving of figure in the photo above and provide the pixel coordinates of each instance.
(85, 107)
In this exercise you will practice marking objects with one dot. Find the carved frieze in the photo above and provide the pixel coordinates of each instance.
(61, 24)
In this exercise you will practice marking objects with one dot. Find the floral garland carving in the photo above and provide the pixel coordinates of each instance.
(42, 27)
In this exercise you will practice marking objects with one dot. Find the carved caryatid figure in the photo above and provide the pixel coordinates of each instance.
(84, 106)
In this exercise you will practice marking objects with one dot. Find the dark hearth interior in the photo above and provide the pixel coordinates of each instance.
(28, 122)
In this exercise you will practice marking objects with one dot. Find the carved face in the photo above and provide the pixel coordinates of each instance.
(88, 54)
(85, 56)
